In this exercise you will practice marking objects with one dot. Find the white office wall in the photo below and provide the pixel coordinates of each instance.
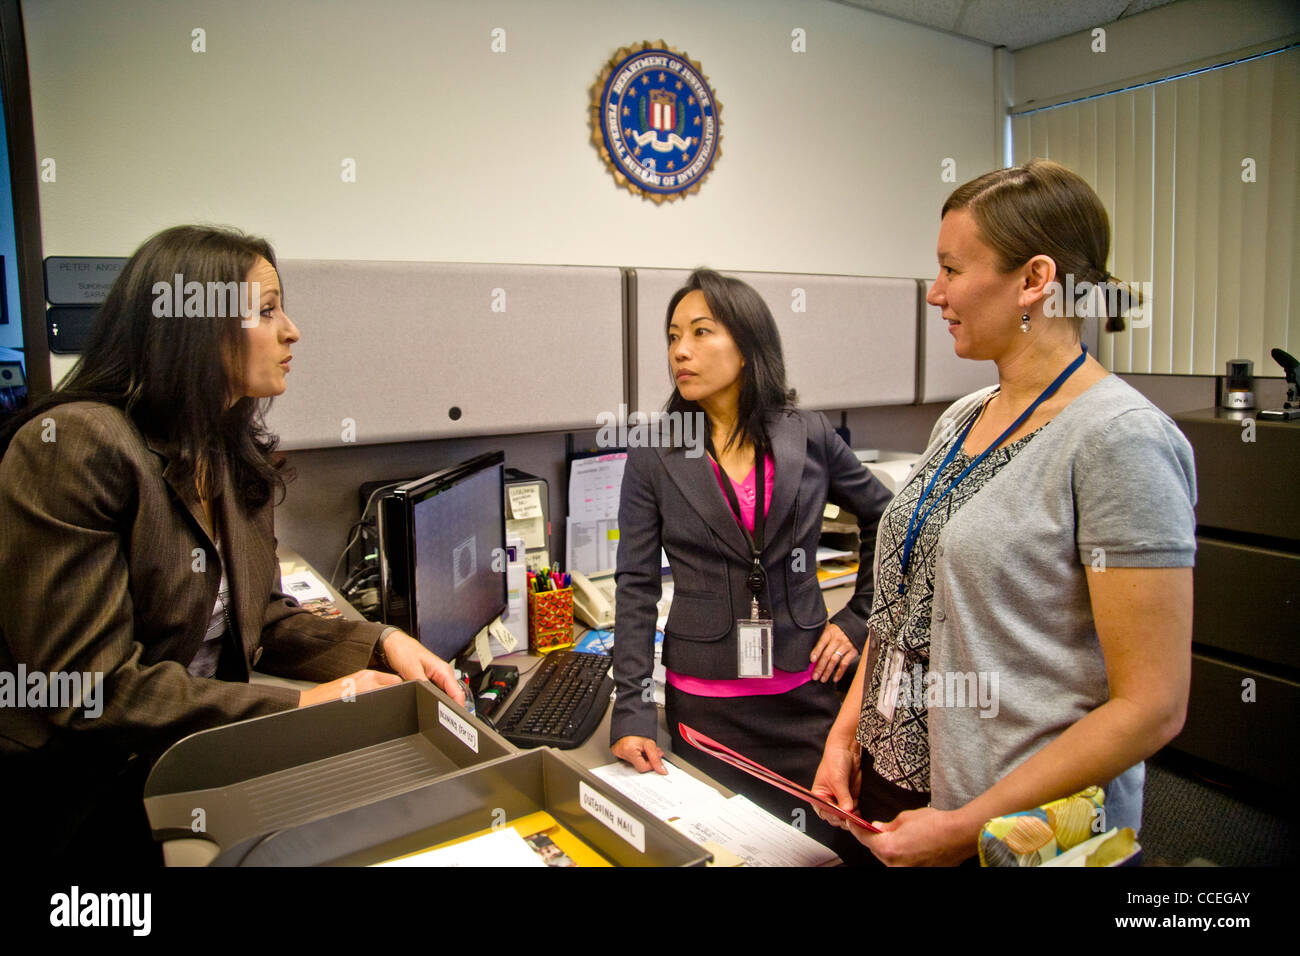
(1160, 41)
(830, 158)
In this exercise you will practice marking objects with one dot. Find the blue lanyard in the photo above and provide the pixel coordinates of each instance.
(914, 526)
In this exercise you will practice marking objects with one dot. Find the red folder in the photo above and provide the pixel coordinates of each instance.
(724, 753)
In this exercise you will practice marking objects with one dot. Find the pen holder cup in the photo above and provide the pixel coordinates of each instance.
(550, 620)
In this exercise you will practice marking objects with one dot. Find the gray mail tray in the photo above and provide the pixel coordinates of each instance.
(481, 798)
(233, 785)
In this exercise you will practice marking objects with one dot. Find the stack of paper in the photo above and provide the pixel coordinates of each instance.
(503, 847)
(307, 590)
(836, 567)
(735, 830)
(591, 530)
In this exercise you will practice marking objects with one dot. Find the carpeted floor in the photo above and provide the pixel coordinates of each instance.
(1189, 820)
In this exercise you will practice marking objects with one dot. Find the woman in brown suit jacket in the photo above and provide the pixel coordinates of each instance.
(140, 584)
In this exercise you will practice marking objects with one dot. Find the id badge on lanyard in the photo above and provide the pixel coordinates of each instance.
(754, 643)
(890, 682)
(753, 635)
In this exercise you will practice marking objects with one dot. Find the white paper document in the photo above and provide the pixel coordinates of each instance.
(525, 501)
(594, 485)
(592, 546)
(304, 586)
(665, 797)
(504, 847)
(834, 554)
(753, 834)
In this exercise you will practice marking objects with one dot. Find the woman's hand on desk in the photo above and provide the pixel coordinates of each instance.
(405, 655)
(411, 660)
(833, 655)
(346, 687)
(641, 752)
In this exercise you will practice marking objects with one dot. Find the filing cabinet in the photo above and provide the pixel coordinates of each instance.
(1245, 692)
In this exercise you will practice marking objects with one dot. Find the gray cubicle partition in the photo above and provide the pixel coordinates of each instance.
(408, 351)
(849, 341)
(945, 377)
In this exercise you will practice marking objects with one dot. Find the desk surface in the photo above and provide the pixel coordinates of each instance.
(594, 753)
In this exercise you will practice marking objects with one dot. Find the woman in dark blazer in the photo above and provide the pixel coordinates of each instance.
(725, 356)
(139, 551)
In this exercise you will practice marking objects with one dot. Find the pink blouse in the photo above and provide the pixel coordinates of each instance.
(780, 681)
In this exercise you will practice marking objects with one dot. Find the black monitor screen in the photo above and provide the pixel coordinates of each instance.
(458, 531)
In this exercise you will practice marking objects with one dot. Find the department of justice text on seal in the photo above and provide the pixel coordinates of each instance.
(656, 121)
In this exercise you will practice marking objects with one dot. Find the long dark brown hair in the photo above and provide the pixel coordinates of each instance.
(748, 320)
(173, 376)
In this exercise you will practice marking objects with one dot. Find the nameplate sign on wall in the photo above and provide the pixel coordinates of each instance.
(80, 280)
(655, 121)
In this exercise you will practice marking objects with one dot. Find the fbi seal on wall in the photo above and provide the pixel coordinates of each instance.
(655, 121)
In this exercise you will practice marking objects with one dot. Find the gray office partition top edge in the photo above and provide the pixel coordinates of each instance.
(411, 351)
(920, 340)
(629, 336)
(945, 377)
(849, 341)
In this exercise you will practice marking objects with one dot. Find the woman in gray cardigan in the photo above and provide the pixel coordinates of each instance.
(1031, 630)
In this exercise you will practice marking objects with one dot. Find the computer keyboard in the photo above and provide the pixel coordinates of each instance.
(563, 703)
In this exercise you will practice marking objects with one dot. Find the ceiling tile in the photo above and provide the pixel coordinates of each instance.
(1010, 23)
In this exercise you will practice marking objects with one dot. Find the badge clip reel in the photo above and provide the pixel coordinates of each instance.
(754, 636)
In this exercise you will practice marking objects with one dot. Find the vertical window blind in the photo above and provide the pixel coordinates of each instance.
(1199, 177)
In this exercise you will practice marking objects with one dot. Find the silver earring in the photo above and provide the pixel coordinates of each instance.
(1024, 322)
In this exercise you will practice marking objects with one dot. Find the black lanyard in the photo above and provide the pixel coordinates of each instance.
(914, 526)
(757, 577)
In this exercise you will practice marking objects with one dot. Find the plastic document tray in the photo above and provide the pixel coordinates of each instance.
(479, 798)
(233, 785)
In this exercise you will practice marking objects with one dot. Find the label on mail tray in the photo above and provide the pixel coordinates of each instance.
(463, 729)
(628, 827)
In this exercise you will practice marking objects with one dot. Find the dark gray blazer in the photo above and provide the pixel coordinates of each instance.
(673, 501)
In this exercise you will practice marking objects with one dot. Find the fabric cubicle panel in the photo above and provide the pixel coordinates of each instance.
(854, 343)
(394, 347)
(944, 376)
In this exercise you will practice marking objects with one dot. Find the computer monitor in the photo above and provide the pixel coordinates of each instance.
(441, 544)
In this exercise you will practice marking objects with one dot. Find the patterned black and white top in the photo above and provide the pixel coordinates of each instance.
(900, 748)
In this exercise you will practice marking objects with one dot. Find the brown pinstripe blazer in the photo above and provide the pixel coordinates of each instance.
(108, 567)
